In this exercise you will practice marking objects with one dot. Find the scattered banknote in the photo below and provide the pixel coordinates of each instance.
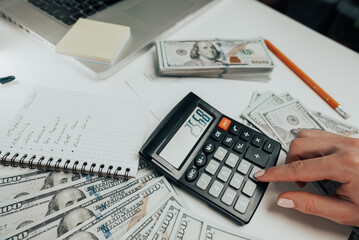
(211, 231)
(164, 226)
(336, 126)
(31, 182)
(281, 116)
(187, 227)
(34, 208)
(143, 228)
(234, 59)
(115, 221)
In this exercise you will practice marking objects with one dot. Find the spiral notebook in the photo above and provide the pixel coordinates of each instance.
(76, 132)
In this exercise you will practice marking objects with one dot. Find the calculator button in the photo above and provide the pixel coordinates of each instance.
(254, 170)
(244, 167)
(200, 160)
(203, 181)
(212, 167)
(235, 128)
(240, 146)
(216, 189)
(224, 174)
(228, 196)
(257, 156)
(246, 135)
(236, 181)
(228, 141)
(242, 204)
(269, 146)
(257, 140)
(191, 174)
(220, 153)
(249, 188)
(224, 123)
(217, 134)
(208, 147)
(232, 160)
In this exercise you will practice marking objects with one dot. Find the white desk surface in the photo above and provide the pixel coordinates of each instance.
(334, 67)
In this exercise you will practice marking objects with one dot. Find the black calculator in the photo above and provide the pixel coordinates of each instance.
(212, 156)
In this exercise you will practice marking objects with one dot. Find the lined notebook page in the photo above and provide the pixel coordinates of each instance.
(67, 125)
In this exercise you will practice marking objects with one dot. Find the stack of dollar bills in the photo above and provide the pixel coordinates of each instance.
(49, 205)
(246, 59)
(281, 116)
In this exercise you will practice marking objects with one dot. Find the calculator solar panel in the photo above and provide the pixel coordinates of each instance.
(212, 156)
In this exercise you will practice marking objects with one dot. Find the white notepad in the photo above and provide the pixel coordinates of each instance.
(74, 131)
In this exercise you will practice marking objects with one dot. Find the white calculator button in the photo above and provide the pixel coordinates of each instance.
(220, 153)
(254, 170)
(232, 160)
(242, 204)
(244, 167)
(203, 181)
(224, 174)
(249, 188)
(212, 167)
(236, 181)
(216, 189)
(228, 196)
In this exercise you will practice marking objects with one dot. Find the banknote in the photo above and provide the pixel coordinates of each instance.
(335, 126)
(242, 58)
(187, 227)
(288, 119)
(211, 231)
(34, 207)
(30, 182)
(164, 226)
(59, 223)
(115, 221)
(145, 227)
(16, 186)
(265, 102)
(255, 96)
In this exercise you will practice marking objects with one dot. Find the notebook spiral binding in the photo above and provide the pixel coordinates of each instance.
(66, 168)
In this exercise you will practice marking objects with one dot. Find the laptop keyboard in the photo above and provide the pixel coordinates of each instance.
(69, 11)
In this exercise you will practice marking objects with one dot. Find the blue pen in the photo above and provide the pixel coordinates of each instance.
(6, 79)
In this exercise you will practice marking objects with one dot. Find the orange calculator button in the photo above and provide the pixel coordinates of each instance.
(224, 123)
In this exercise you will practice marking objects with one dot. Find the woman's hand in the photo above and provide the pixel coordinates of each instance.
(317, 155)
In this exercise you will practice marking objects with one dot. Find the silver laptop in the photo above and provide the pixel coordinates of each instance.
(149, 20)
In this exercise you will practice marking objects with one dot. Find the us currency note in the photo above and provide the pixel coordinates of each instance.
(265, 102)
(288, 119)
(335, 126)
(115, 221)
(145, 227)
(36, 206)
(187, 227)
(236, 53)
(59, 223)
(164, 226)
(30, 182)
(211, 231)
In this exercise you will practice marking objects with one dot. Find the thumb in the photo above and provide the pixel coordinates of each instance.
(333, 208)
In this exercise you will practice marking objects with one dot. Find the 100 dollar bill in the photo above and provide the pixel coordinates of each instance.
(187, 227)
(144, 228)
(115, 221)
(164, 226)
(16, 186)
(16, 214)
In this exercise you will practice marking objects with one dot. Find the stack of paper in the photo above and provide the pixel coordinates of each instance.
(94, 41)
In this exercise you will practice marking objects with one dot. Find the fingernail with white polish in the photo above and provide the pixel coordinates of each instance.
(286, 203)
(259, 173)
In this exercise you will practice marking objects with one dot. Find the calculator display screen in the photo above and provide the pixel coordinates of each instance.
(186, 137)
